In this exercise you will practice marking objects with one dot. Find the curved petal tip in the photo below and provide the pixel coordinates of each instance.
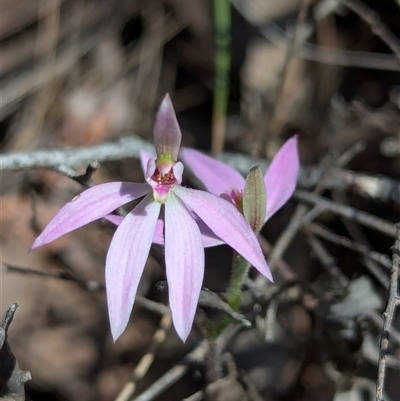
(281, 177)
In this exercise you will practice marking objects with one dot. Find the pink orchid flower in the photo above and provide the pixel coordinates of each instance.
(184, 247)
(208, 237)
(221, 179)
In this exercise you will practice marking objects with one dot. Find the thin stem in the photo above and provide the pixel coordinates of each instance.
(240, 269)
(393, 302)
(222, 22)
(371, 18)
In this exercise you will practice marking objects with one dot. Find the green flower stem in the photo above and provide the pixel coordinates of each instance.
(253, 208)
(222, 23)
(240, 269)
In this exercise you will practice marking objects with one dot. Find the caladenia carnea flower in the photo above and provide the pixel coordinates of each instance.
(190, 218)
(258, 197)
(220, 179)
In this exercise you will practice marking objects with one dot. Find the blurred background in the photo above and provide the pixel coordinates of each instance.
(81, 72)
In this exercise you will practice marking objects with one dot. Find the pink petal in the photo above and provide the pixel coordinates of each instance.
(114, 218)
(90, 205)
(158, 233)
(178, 172)
(227, 223)
(281, 177)
(150, 170)
(217, 177)
(208, 237)
(167, 134)
(144, 160)
(184, 260)
(126, 259)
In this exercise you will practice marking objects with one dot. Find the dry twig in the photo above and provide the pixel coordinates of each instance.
(67, 161)
(393, 302)
(169, 378)
(321, 54)
(324, 233)
(329, 262)
(207, 298)
(331, 56)
(366, 219)
(362, 249)
(378, 28)
(146, 361)
(272, 122)
(12, 378)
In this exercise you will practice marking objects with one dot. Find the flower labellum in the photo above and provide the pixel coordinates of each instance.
(192, 220)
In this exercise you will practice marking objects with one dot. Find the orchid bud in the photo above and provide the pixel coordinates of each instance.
(254, 199)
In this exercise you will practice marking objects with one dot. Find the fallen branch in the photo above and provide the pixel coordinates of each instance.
(393, 302)
(366, 219)
(12, 378)
(68, 161)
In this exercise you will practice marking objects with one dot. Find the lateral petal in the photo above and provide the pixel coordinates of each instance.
(158, 233)
(114, 218)
(184, 260)
(227, 223)
(144, 160)
(217, 177)
(281, 177)
(126, 259)
(208, 237)
(90, 205)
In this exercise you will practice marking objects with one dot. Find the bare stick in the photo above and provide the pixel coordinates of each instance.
(68, 161)
(57, 159)
(284, 269)
(12, 378)
(362, 249)
(366, 219)
(271, 127)
(207, 298)
(358, 235)
(146, 361)
(321, 54)
(84, 178)
(174, 374)
(212, 300)
(377, 320)
(197, 356)
(371, 18)
(330, 56)
(329, 262)
(87, 285)
(393, 302)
